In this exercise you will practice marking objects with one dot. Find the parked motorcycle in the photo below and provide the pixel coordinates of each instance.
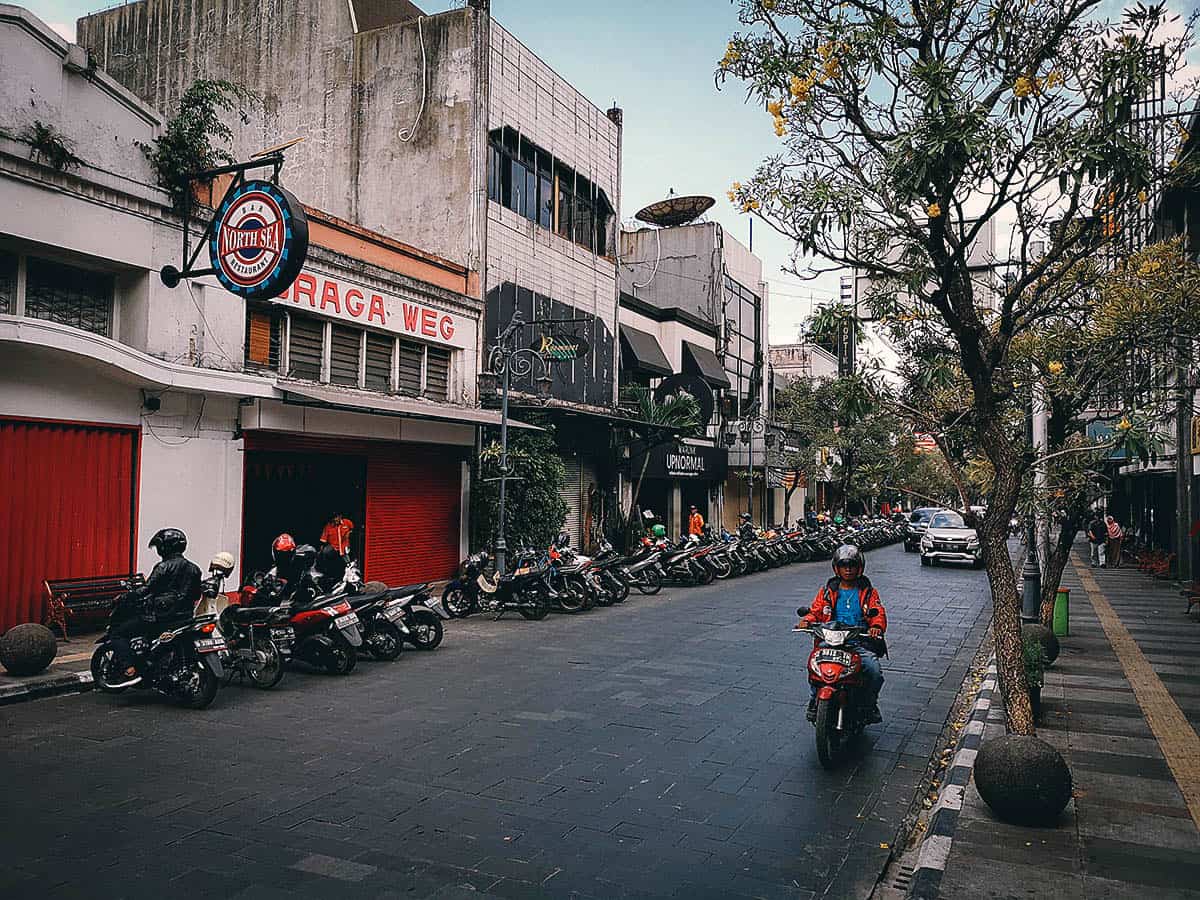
(326, 633)
(843, 705)
(183, 663)
(250, 632)
(523, 590)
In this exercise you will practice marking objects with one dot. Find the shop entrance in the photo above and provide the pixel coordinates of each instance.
(297, 493)
(653, 496)
(693, 493)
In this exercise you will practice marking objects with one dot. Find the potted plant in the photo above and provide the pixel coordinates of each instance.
(1034, 655)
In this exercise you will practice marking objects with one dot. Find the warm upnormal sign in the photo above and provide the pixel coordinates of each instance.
(340, 299)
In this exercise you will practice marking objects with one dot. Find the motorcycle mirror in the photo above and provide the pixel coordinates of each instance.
(873, 611)
(802, 611)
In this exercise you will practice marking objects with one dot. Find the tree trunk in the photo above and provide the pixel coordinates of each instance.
(1055, 563)
(1006, 601)
(787, 500)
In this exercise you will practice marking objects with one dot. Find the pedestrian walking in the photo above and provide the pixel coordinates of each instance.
(1097, 533)
(1116, 537)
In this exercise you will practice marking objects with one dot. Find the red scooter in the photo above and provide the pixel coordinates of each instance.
(325, 632)
(835, 669)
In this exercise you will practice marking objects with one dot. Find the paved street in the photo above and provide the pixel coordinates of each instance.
(655, 749)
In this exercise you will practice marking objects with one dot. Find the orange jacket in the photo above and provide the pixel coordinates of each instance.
(696, 523)
(825, 602)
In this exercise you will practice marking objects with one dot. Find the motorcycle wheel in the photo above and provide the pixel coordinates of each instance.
(619, 588)
(648, 582)
(342, 660)
(384, 642)
(723, 568)
(203, 688)
(534, 607)
(456, 602)
(829, 741)
(102, 662)
(572, 597)
(269, 672)
(425, 630)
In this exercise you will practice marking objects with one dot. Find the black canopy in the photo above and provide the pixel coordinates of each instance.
(640, 352)
(703, 362)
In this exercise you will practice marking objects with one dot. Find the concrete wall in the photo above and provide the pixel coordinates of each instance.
(688, 271)
(349, 96)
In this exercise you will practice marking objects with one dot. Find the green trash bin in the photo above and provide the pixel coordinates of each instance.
(1062, 612)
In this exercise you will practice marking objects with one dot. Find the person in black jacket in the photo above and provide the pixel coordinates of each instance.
(1097, 533)
(169, 595)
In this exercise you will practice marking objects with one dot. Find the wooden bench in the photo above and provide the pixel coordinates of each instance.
(88, 597)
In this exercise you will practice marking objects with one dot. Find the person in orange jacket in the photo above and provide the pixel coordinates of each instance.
(695, 522)
(850, 598)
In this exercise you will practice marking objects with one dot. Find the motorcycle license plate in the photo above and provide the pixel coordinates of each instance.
(283, 634)
(828, 654)
(524, 570)
(349, 620)
(394, 612)
(209, 645)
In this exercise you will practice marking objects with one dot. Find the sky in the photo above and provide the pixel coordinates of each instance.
(680, 132)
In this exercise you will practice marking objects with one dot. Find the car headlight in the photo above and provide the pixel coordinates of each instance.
(926, 542)
(973, 544)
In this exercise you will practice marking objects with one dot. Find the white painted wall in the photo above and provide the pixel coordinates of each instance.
(61, 390)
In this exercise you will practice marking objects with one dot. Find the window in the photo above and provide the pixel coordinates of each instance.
(345, 345)
(411, 359)
(437, 373)
(379, 362)
(61, 293)
(305, 347)
(530, 182)
(264, 327)
(8, 282)
(743, 340)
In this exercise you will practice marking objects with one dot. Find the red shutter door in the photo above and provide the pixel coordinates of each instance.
(413, 514)
(70, 494)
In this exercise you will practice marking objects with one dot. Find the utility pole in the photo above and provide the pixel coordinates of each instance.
(1183, 459)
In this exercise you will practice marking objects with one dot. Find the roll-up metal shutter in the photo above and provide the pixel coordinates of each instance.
(379, 362)
(572, 494)
(304, 348)
(437, 373)
(413, 514)
(410, 368)
(69, 508)
(344, 346)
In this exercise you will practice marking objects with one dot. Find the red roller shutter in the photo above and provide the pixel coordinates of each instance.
(413, 514)
(69, 508)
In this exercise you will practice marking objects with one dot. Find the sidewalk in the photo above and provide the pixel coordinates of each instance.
(70, 673)
(1133, 827)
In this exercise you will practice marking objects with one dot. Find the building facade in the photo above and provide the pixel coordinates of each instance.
(440, 131)
(126, 406)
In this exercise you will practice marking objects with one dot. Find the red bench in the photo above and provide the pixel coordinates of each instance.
(89, 598)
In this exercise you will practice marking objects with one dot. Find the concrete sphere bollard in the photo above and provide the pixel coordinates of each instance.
(1023, 779)
(1045, 636)
(27, 649)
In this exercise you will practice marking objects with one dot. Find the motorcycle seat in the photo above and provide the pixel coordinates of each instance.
(248, 615)
(408, 589)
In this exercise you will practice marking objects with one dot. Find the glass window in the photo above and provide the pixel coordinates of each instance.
(437, 373)
(379, 362)
(344, 346)
(566, 204)
(68, 295)
(517, 178)
(411, 356)
(947, 520)
(494, 166)
(305, 347)
(531, 195)
(8, 282)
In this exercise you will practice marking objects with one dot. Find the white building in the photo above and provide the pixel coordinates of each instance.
(126, 406)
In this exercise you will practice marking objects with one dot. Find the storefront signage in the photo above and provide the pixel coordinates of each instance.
(561, 348)
(349, 302)
(259, 240)
(684, 461)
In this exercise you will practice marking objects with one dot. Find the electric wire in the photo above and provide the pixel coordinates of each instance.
(406, 134)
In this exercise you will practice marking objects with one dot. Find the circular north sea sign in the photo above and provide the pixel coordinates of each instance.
(259, 240)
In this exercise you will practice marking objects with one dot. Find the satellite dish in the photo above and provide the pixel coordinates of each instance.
(675, 210)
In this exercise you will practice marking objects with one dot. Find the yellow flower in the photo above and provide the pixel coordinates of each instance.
(768, 4)
(1054, 79)
(775, 108)
(1055, 368)
(750, 206)
(1124, 424)
(780, 130)
(1024, 86)
(934, 210)
(1141, 196)
(802, 87)
(832, 68)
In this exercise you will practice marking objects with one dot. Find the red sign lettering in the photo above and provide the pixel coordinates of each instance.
(329, 295)
(306, 286)
(354, 302)
(446, 327)
(376, 310)
(428, 323)
(410, 317)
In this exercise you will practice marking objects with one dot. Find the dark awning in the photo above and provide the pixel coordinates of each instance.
(701, 361)
(305, 393)
(640, 352)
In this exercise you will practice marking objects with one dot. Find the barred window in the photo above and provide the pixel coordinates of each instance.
(344, 346)
(437, 373)
(8, 282)
(379, 362)
(57, 292)
(411, 355)
(305, 347)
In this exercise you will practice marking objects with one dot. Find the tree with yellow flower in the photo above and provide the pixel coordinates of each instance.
(914, 130)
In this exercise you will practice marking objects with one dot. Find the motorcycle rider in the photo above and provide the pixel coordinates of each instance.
(169, 595)
(850, 598)
(746, 529)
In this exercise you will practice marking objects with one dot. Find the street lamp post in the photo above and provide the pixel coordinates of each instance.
(747, 427)
(1031, 572)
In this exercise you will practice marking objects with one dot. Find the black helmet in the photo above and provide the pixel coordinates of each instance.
(563, 540)
(849, 554)
(168, 542)
(745, 516)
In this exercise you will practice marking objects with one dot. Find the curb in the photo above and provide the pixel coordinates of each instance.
(943, 819)
(57, 685)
